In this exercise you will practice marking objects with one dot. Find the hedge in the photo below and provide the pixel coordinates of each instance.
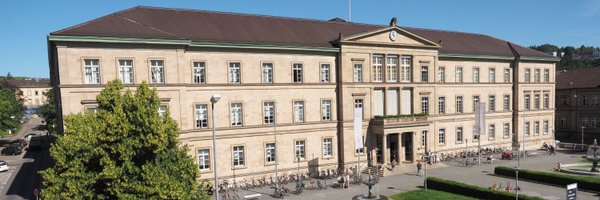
(472, 190)
(583, 182)
(400, 116)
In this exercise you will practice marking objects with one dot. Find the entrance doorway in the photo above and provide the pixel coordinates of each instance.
(393, 145)
(407, 145)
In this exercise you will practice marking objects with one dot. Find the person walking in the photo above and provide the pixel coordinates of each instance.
(552, 150)
(419, 165)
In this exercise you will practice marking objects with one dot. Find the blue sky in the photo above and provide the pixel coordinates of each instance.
(25, 24)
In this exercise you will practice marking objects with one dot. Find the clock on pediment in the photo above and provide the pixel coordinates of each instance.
(393, 35)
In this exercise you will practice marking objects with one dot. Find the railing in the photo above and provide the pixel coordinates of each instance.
(399, 119)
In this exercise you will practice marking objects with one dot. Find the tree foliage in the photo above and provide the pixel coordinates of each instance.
(571, 57)
(126, 150)
(10, 109)
(48, 110)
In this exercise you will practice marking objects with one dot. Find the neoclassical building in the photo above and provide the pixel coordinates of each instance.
(289, 87)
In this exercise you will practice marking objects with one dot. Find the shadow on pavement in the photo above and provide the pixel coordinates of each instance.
(27, 179)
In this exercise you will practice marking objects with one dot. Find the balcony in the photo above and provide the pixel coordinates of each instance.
(393, 121)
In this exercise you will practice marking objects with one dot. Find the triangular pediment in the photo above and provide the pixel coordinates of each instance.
(385, 36)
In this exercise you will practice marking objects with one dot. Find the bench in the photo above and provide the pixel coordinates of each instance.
(253, 196)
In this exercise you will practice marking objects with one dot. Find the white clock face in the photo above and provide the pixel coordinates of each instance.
(393, 35)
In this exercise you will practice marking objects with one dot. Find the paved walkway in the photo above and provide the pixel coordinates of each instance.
(482, 175)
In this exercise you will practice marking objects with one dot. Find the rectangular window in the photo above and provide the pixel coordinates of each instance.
(584, 122)
(298, 111)
(91, 69)
(126, 71)
(527, 102)
(563, 122)
(391, 67)
(546, 75)
(475, 102)
(527, 75)
(235, 72)
(506, 102)
(584, 100)
(526, 127)
(459, 135)
(424, 74)
(507, 75)
(442, 136)
(204, 159)
(326, 110)
(236, 114)
(595, 101)
(442, 105)
(425, 105)
(441, 75)
(358, 73)
(546, 127)
(459, 74)
(492, 103)
(506, 132)
(492, 75)
(269, 112)
(297, 73)
(536, 128)
(459, 104)
(267, 72)
(270, 152)
(300, 150)
(536, 101)
(201, 115)
(238, 156)
(325, 75)
(492, 131)
(423, 137)
(327, 147)
(476, 75)
(405, 69)
(199, 72)
(537, 75)
(157, 69)
(162, 110)
(564, 99)
(377, 68)
(546, 101)
(358, 103)
(594, 122)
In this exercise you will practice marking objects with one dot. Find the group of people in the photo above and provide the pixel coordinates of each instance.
(508, 187)
(344, 181)
(550, 149)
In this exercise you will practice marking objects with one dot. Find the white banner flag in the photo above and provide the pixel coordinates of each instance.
(358, 142)
(480, 118)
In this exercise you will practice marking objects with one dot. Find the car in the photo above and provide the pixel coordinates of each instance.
(3, 166)
(21, 142)
(12, 150)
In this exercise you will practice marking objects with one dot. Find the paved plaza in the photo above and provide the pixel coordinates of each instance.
(404, 179)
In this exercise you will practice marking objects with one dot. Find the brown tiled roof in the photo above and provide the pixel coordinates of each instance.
(208, 26)
(581, 78)
(27, 83)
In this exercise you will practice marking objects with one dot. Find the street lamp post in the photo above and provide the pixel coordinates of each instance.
(214, 99)
(582, 127)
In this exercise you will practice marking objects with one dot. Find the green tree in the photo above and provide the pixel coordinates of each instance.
(10, 109)
(126, 150)
(48, 110)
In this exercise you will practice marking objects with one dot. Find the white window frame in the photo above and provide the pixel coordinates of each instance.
(546, 75)
(546, 101)
(377, 68)
(126, 71)
(527, 75)
(391, 68)
(358, 73)
(91, 69)
(235, 72)
(270, 153)
(425, 105)
(475, 101)
(327, 147)
(157, 71)
(162, 110)
(239, 158)
(297, 73)
(536, 101)
(492, 75)
(325, 73)
(536, 128)
(526, 128)
(269, 112)
(507, 75)
(441, 74)
(492, 103)
(506, 128)
(476, 75)
(405, 69)
(299, 150)
(326, 110)
(237, 114)
(546, 127)
(203, 156)
(492, 132)
(459, 74)
(298, 109)
(267, 72)
(441, 105)
(537, 75)
(459, 134)
(442, 136)
(199, 70)
(459, 104)
(527, 101)
(424, 74)
(201, 116)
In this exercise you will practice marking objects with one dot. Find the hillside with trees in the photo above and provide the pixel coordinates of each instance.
(571, 57)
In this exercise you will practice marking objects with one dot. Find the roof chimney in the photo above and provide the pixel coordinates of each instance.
(394, 21)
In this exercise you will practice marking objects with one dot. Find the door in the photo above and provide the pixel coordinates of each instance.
(407, 146)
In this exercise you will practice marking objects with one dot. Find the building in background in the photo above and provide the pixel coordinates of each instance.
(302, 79)
(578, 105)
(32, 91)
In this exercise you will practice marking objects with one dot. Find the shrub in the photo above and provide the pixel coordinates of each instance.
(471, 190)
(583, 182)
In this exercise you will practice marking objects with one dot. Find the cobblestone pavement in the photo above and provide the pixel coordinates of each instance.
(404, 179)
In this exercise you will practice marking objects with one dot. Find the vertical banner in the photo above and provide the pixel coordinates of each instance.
(358, 142)
(480, 118)
(572, 191)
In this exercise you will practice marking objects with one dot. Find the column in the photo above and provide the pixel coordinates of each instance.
(384, 152)
(400, 150)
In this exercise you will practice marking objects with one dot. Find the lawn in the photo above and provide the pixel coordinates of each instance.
(429, 195)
